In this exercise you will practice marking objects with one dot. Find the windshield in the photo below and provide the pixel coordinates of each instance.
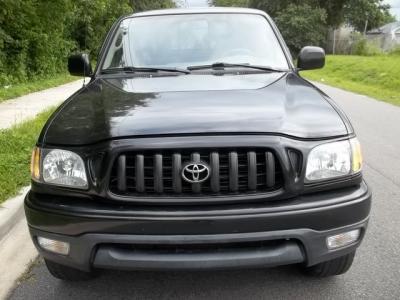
(195, 39)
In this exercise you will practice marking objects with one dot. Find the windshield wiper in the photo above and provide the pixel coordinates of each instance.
(143, 69)
(222, 66)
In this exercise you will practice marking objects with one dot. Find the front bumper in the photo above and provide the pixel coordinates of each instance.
(258, 235)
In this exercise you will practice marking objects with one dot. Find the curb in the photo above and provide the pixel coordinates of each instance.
(11, 212)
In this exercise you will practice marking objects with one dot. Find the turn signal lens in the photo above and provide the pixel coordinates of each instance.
(53, 245)
(343, 239)
(35, 164)
(357, 158)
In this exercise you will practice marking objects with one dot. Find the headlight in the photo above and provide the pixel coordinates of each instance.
(59, 167)
(333, 160)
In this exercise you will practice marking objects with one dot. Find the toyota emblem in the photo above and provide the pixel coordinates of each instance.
(195, 172)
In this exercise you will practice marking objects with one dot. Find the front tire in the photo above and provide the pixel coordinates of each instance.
(67, 273)
(332, 267)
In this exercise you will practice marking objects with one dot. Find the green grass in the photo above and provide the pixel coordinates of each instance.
(16, 145)
(17, 90)
(375, 76)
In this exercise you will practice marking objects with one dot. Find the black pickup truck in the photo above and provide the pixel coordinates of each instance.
(197, 145)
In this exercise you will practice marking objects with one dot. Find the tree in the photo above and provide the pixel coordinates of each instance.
(36, 36)
(353, 12)
(334, 11)
(234, 3)
(274, 7)
(32, 38)
(302, 25)
(305, 22)
(300, 22)
(142, 5)
(92, 19)
(367, 14)
(333, 8)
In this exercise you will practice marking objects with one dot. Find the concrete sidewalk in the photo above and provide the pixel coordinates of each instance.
(26, 107)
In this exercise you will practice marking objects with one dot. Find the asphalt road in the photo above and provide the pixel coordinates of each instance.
(375, 273)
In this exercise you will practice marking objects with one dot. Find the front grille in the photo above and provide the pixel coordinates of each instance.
(232, 171)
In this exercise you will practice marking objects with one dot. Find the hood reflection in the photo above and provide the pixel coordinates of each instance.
(263, 103)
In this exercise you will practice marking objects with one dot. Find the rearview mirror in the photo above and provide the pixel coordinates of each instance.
(79, 65)
(311, 58)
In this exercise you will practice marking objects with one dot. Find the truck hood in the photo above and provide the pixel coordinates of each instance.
(267, 103)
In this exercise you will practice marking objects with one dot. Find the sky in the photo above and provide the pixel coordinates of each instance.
(395, 7)
(198, 3)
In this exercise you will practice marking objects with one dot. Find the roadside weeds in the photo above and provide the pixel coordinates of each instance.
(16, 145)
(375, 76)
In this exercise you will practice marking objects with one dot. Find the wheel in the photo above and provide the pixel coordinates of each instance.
(332, 267)
(67, 273)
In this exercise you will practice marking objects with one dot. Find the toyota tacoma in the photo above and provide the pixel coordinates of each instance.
(197, 145)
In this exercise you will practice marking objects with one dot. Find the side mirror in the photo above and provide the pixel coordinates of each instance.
(311, 58)
(79, 65)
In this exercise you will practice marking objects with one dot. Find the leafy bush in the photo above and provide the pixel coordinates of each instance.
(33, 40)
(364, 47)
(395, 51)
(36, 36)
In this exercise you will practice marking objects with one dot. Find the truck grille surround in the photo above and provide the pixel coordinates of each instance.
(231, 171)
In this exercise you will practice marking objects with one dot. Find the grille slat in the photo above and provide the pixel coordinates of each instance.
(139, 172)
(252, 170)
(176, 173)
(121, 175)
(158, 173)
(215, 167)
(270, 169)
(232, 171)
